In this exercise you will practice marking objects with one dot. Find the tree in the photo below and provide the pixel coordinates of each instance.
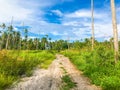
(115, 32)
(26, 37)
(9, 32)
(92, 19)
(17, 40)
(3, 26)
(50, 43)
(36, 42)
(43, 43)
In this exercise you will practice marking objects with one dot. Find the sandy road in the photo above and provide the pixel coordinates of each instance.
(50, 79)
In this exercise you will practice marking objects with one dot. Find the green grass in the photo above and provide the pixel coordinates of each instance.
(67, 83)
(14, 64)
(98, 65)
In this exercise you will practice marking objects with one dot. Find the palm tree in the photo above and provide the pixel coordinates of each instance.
(115, 32)
(26, 37)
(10, 29)
(46, 44)
(20, 43)
(92, 19)
(43, 43)
(36, 41)
(14, 40)
(3, 26)
(17, 39)
(50, 43)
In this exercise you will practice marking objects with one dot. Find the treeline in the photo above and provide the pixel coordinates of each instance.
(13, 40)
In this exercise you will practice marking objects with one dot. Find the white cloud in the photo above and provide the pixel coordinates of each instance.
(22, 10)
(57, 12)
(79, 14)
(76, 25)
(9, 9)
(85, 13)
(80, 21)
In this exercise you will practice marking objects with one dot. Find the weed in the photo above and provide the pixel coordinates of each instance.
(14, 64)
(67, 83)
(98, 65)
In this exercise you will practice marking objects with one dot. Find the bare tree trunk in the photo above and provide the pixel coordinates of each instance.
(37, 45)
(115, 32)
(20, 44)
(92, 19)
(7, 42)
(68, 43)
(0, 44)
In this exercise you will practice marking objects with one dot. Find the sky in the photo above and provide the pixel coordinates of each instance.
(60, 19)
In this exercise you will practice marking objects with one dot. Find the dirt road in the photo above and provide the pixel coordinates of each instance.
(50, 79)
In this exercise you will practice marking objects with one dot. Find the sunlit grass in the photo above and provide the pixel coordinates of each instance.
(14, 64)
(98, 65)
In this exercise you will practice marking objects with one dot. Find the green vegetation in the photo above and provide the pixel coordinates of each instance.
(67, 83)
(98, 65)
(14, 64)
(24, 54)
(11, 39)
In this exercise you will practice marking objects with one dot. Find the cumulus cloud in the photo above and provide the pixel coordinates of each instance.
(57, 12)
(85, 13)
(80, 20)
(9, 9)
(76, 24)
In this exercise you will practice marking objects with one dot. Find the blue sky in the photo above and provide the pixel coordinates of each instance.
(60, 19)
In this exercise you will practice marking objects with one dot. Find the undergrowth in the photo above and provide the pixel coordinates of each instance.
(98, 65)
(15, 64)
(67, 84)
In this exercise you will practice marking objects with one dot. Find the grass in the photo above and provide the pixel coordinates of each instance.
(68, 84)
(98, 65)
(14, 64)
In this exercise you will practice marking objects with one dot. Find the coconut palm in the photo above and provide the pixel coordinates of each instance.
(3, 26)
(26, 37)
(92, 19)
(9, 31)
(115, 32)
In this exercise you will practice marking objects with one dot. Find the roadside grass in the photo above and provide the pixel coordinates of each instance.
(98, 65)
(67, 83)
(15, 64)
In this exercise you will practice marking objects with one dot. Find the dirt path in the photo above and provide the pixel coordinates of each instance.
(50, 79)
(83, 83)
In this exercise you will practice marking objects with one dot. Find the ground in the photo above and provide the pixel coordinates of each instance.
(50, 79)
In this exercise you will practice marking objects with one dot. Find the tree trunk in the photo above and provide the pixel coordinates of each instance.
(115, 32)
(0, 44)
(7, 42)
(92, 19)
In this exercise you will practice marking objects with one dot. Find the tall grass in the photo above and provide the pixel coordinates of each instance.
(14, 64)
(98, 65)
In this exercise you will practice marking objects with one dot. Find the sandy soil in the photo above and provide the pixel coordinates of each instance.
(50, 79)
